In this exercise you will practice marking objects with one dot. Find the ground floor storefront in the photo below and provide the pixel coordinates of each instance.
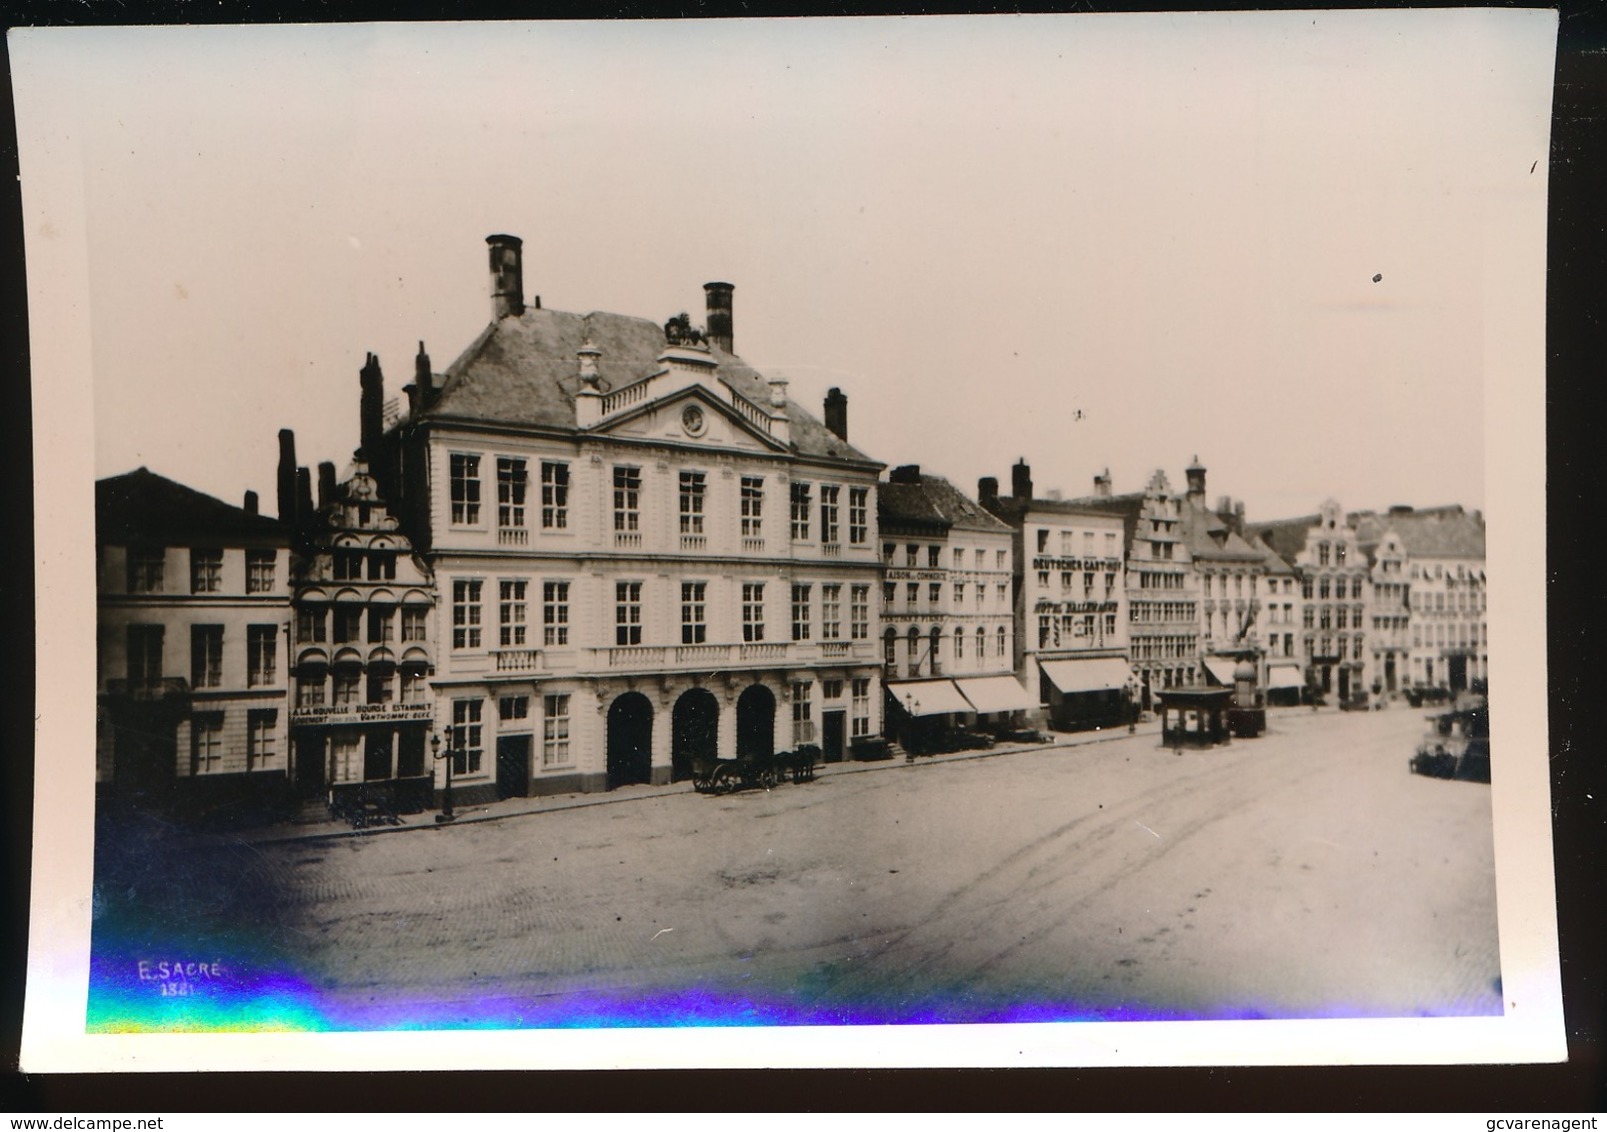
(555, 736)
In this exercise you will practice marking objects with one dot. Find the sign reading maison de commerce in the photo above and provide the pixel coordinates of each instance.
(362, 713)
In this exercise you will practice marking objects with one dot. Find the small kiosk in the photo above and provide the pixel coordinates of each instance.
(1195, 717)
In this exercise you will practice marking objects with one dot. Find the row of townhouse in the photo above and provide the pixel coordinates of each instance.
(597, 547)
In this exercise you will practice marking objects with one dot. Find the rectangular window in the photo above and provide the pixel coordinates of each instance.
(262, 655)
(466, 613)
(998, 559)
(800, 511)
(466, 736)
(348, 624)
(694, 612)
(145, 570)
(1043, 541)
(912, 555)
(889, 593)
(861, 707)
(512, 482)
(934, 557)
(627, 613)
(959, 594)
(753, 611)
(381, 685)
(206, 656)
(382, 565)
(555, 613)
(555, 730)
(828, 512)
(144, 654)
(465, 489)
(912, 594)
(415, 623)
(511, 612)
(348, 565)
(692, 487)
(959, 644)
(831, 612)
(554, 496)
(959, 558)
(803, 727)
(347, 682)
(627, 499)
(310, 689)
(859, 613)
(934, 593)
(800, 612)
(1003, 595)
(381, 624)
(206, 742)
(414, 685)
(206, 571)
(512, 708)
(259, 571)
(752, 506)
(858, 515)
(1110, 544)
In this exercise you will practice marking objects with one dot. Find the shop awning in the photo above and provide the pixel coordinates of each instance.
(1221, 669)
(996, 693)
(929, 697)
(1284, 676)
(1100, 675)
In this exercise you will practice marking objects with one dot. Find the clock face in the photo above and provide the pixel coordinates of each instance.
(692, 420)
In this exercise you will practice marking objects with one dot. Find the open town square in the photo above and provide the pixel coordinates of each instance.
(1303, 873)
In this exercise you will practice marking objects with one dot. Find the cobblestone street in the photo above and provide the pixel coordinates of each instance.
(1303, 874)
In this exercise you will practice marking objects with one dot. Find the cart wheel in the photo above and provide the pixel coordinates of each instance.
(720, 781)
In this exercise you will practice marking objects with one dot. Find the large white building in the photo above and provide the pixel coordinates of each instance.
(644, 549)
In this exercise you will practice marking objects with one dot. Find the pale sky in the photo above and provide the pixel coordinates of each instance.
(977, 227)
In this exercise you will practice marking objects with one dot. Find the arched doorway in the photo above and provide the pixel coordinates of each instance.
(756, 721)
(630, 740)
(694, 727)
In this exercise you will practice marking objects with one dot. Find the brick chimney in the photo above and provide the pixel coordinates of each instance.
(1102, 484)
(287, 477)
(905, 473)
(987, 488)
(718, 330)
(303, 497)
(507, 276)
(1021, 479)
(371, 411)
(422, 391)
(326, 484)
(251, 503)
(837, 412)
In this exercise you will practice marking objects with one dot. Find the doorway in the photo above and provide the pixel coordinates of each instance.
(756, 721)
(694, 730)
(833, 727)
(513, 766)
(630, 741)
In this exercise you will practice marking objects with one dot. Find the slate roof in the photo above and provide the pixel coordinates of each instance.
(933, 502)
(1442, 533)
(1211, 539)
(141, 507)
(522, 370)
(1286, 537)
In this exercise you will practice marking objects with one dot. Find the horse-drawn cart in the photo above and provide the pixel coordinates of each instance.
(714, 775)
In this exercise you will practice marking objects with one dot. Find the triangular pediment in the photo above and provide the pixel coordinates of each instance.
(696, 415)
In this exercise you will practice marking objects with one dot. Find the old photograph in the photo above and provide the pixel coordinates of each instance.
(888, 541)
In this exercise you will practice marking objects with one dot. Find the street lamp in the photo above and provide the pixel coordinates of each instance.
(453, 735)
